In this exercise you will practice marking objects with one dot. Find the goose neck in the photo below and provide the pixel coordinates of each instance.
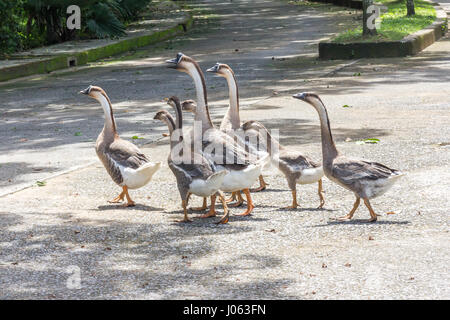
(202, 113)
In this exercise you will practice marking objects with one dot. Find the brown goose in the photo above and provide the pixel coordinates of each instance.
(242, 171)
(296, 167)
(231, 122)
(192, 178)
(125, 163)
(366, 179)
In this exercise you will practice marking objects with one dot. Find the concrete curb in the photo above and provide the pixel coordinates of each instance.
(410, 45)
(83, 57)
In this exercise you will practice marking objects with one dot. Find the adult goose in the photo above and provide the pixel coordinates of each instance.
(296, 167)
(243, 171)
(125, 163)
(192, 177)
(366, 179)
(231, 122)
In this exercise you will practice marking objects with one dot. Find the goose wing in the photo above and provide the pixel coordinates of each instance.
(352, 170)
(295, 161)
(190, 171)
(126, 154)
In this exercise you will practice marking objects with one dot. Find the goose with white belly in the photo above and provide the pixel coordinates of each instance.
(231, 122)
(125, 163)
(242, 170)
(366, 179)
(193, 177)
(296, 167)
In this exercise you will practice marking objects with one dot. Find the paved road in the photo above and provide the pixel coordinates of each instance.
(142, 253)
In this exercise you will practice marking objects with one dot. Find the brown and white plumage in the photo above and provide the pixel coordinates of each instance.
(366, 179)
(231, 122)
(296, 167)
(199, 177)
(242, 171)
(124, 162)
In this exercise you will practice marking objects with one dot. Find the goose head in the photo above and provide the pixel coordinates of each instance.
(308, 97)
(181, 62)
(189, 105)
(220, 69)
(251, 125)
(166, 117)
(94, 92)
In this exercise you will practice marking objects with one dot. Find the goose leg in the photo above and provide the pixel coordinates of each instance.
(262, 185)
(320, 191)
(119, 198)
(232, 198)
(188, 198)
(130, 203)
(203, 207)
(226, 212)
(212, 210)
(186, 218)
(352, 212)
(294, 200)
(373, 215)
(250, 205)
(239, 200)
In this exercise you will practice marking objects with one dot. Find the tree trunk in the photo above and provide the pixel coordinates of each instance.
(369, 28)
(410, 8)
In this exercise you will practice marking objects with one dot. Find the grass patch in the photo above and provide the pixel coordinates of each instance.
(395, 25)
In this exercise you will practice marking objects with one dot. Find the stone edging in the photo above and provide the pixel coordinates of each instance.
(83, 57)
(409, 45)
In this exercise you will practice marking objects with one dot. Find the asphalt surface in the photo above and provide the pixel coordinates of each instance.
(140, 252)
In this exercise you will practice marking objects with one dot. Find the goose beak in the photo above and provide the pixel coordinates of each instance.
(173, 63)
(86, 91)
(213, 69)
(301, 96)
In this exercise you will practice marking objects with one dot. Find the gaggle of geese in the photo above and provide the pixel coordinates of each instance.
(209, 161)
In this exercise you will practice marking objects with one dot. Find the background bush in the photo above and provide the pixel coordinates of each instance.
(26, 24)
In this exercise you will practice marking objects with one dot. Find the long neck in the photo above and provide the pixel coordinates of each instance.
(171, 126)
(329, 151)
(202, 113)
(179, 121)
(110, 124)
(233, 109)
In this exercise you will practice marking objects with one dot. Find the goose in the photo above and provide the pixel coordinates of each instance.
(366, 179)
(296, 167)
(196, 178)
(231, 122)
(125, 163)
(242, 171)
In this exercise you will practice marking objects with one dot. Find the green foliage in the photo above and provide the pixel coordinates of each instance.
(11, 15)
(31, 23)
(395, 24)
